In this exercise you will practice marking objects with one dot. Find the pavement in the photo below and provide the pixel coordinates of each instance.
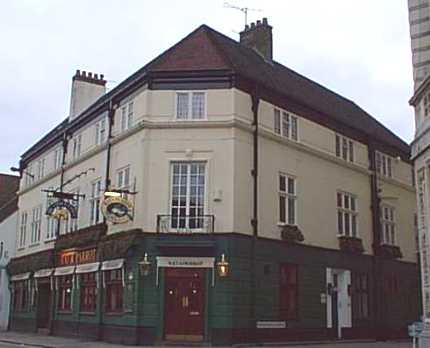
(12, 339)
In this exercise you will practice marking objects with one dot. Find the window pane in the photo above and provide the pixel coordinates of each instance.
(351, 151)
(347, 224)
(337, 145)
(340, 222)
(291, 186)
(294, 128)
(285, 124)
(282, 209)
(282, 183)
(353, 203)
(198, 105)
(182, 106)
(277, 121)
(344, 149)
(339, 200)
(354, 225)
(291, 211)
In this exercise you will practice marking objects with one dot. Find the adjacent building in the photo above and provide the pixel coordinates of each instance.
(215, 196)
(8, 225)
(419, 22)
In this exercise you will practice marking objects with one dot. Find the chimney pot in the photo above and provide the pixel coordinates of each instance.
(246, 27)
(90, 75)
(259, 37)
(84, 73)
(96, 76)
(78, 72)
(102, 76)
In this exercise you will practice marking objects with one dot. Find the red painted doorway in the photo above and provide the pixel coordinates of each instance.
(184, 314)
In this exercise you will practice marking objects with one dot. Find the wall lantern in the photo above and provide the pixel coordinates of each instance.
(145, 265)
(223, 267)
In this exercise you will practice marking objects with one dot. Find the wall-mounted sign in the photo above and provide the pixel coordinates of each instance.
(271, 324)
(117, 210)
(76, 257)
(185, 262)
(62, 209)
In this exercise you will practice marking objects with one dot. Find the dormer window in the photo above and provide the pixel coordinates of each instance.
(190, 105)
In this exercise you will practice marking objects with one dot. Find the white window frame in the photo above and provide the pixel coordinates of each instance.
(190, 116)
(72, 225)
(288, 197)
(36, 221)
(388, 225)
(344, 148)
(285, 123)
(40, 173)
(127, 116)
(29, 175)
(121, 174)
(346, 213)
(101, 128)
(95, 202)
(23, 229)
(77, 146)
(187, 195)
(384, 164)
(58, 157)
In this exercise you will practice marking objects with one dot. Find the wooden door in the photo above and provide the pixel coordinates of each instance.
(43, 305)
(184, 315)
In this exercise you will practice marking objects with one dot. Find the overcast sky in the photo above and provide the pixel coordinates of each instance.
(359, 49)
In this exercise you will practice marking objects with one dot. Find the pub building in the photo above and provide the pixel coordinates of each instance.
(215, 196)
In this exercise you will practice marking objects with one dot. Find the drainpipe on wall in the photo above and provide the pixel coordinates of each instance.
(254, 222)
(378, 298)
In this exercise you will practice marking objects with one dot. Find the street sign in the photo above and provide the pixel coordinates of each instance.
(416, 329)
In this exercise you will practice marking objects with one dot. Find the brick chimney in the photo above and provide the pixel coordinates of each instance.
(86, 89)
(259, 37)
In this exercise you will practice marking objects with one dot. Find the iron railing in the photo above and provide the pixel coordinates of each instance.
(185, 224)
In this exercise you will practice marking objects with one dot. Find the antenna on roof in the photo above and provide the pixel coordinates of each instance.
(242, 9)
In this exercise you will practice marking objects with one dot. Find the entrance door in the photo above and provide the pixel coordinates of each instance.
(338, 300)
(184, 304)
(43, 305)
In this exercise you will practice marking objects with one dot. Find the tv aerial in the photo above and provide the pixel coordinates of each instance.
(242, 9)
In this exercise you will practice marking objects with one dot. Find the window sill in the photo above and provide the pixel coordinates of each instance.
(88, 313)
(34, 245)
(49, 240)
(64, 311)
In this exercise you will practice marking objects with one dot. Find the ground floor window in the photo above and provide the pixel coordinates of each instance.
(114, 291)
(288, 291)
(88, 290)
(360, 296)
(20, 295)
(65, 287)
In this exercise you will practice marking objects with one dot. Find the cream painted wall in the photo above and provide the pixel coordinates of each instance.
(157, 139)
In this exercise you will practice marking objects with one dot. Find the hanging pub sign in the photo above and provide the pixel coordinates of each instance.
(117, 209)
(62, 206)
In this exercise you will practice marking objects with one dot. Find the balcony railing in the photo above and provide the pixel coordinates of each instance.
(185, 224)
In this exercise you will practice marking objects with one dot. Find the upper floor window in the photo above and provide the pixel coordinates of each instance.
(23, 229)
(286, 124)
(123, 178)
(95, 213)
(101, 131)
(187, 201)
(58, 158)
(29, 175)
(344, 148)
(388, 225)
(76, 146)
(70, 224)
(36, 220)
(384, 164)
(426, 105)
(40, 173)
(287, 199)
(347, 215)
(127, 112)
(190, 105)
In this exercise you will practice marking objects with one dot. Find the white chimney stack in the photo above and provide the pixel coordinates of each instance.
(86, 89)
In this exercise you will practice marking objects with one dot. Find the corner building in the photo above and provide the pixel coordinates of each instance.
(265, 207)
